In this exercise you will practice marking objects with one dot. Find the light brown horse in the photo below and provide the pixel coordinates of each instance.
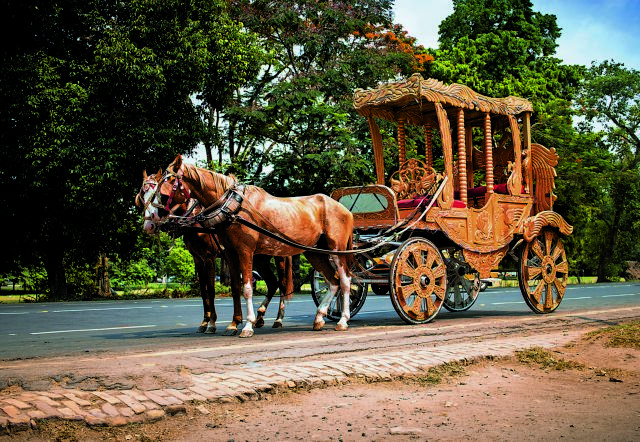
(204, 249)
(310, 221)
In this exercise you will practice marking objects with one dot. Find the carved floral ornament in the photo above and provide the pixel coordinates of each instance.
(380, 101)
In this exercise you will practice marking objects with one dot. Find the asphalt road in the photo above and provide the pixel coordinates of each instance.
(88, 328)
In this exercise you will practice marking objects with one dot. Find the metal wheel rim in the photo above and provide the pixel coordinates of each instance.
(543, 272)
(418, 281)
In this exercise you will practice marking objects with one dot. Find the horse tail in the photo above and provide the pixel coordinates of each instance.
(350, 258)
(289, 286)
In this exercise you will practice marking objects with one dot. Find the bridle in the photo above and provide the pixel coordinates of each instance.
(155, 201)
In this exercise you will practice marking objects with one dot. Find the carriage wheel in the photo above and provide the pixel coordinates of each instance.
(543, 272)
(463, 282)
(418, 281)
(319, 288)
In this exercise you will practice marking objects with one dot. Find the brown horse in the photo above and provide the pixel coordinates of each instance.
(204, 249)
(310, 221)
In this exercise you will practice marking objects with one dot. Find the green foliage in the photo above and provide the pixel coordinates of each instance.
(502, 48)
(179, 264)
(294, 130)
(92, 93)
(604, 163)
(132, 273)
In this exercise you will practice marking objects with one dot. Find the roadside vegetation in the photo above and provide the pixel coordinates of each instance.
(93, 94)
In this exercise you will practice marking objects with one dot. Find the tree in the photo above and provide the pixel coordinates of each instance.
(179, 264)
(609, 102)
(293, 129)
(501, 48)
(91, 93)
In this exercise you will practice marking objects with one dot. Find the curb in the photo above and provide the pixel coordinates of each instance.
(21, 411)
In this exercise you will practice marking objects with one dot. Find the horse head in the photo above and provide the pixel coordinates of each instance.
(161, 195)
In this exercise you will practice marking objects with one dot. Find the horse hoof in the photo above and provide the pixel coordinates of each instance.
(259, 323)
(230, 332)
(277, 325)
(246, 333)
(341, 327)
(201, 329)
(318, 325)
(210, 331)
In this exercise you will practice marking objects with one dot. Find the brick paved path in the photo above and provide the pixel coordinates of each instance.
(118, 407)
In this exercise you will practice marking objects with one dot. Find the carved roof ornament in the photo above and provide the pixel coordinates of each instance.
(413, 99)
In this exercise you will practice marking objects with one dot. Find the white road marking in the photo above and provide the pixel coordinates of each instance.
(622, 294)
(92, 329)
(95, 309)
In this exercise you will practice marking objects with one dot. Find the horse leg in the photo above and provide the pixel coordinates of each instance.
(345, 286)
(200, 270)
(261, 264)
(323, 265)
(236, 289)
(246, 264)
(284, 267)
(211, 293)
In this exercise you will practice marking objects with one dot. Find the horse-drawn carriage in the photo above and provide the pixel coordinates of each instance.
(450, 214)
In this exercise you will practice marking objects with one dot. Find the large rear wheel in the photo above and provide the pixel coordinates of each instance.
(418, 281)
(543, 272)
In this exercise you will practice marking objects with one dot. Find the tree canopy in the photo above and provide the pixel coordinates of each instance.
(93, 92)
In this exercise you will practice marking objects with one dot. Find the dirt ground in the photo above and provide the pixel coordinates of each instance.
(583, 391)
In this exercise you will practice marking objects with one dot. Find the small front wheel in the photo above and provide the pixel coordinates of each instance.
(463, 282)
(418, 281)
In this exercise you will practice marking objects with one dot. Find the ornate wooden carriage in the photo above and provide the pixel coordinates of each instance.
(450, 213)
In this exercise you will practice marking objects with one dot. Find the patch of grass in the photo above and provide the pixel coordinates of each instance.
(546, 360)
(625, 336)
(436, 375)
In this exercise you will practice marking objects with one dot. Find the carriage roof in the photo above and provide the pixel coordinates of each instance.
(413, 101)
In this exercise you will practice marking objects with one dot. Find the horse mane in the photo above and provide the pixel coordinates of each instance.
(220, 182)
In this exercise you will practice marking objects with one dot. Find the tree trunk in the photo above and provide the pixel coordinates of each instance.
(102, 277)
(53, 264)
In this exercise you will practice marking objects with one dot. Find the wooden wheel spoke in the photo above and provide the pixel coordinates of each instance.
(563, 267)
(415, 306)
(557, 252)
(431, 257)
(439, 291)
(533, 272)
(561, 287)
(536, 248)
(431, 307)
(440, 271)
(537, 293)
(548, 241)
(548, 292)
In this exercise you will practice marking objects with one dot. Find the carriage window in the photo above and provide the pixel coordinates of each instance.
(364, 202)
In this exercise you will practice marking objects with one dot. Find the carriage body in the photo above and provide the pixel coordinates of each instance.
(479, 189)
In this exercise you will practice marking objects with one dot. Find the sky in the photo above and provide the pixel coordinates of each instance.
(591, 29)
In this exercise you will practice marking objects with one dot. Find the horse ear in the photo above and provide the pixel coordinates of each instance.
(159, 175)
(178, 162)
(144, 175)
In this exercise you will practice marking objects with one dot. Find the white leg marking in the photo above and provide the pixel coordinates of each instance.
(247, 331)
